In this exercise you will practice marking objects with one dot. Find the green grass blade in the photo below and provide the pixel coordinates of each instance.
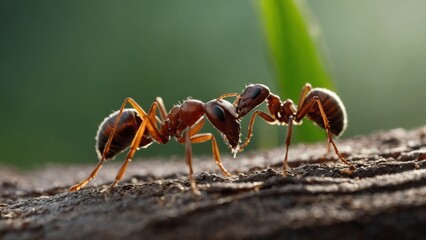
(294, 54)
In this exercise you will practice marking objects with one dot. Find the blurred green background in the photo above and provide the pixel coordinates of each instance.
(65, 65)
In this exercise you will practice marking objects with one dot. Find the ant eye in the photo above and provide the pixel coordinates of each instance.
(219, 113)
(256, 93)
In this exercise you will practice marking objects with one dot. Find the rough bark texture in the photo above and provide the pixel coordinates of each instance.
(385, 197)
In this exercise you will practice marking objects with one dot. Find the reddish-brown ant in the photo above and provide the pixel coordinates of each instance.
(134, 128)
(320, 105)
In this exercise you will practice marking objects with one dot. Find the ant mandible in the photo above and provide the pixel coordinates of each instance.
(320, 105)
(133, 128)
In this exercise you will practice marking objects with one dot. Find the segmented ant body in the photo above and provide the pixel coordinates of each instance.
(320, 105)
(133, 128)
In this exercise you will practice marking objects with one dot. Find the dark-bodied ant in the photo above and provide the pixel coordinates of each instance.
(320, 105)
(133, 128)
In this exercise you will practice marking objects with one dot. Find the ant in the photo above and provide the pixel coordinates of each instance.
(320, 105)
(133, 128)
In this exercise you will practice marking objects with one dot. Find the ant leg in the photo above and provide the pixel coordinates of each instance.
(330, 137)
(199, 138)
(194, 129)
(304, 111)
(83, 183)
(122, 169)
(197, 126)
(153, 117)
(143, 115)
(147, 125)
(203, 137)
(265, 117)
(287, 145)
(305, 90)
(150, 117)
(234, 103)
(227, 95)
(152, 128)
(188, 156)
(162, 108)
(136, 141)
(186, 139)
(328, 150)
(136, 106)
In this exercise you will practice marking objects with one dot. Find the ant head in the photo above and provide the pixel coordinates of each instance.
(223, 116)
(253, 96)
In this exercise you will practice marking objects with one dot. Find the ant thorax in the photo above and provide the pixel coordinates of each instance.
(281, 111)
(288, 108)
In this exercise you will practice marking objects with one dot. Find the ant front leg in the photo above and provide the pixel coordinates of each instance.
(199, 138)
(269, 119)
(203, 137)
(304, 110)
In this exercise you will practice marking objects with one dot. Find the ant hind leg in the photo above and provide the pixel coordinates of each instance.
(147, 125)
(303, 111)
(83, 183)
(287, 145)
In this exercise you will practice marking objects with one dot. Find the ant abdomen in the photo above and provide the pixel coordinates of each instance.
(333, 108)
(126, 130)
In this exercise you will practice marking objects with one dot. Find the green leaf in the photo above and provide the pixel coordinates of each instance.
(295, 56)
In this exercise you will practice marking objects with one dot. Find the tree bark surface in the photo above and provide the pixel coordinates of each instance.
(385, 197)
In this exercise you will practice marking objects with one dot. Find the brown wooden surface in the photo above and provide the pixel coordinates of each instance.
(385, 197)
